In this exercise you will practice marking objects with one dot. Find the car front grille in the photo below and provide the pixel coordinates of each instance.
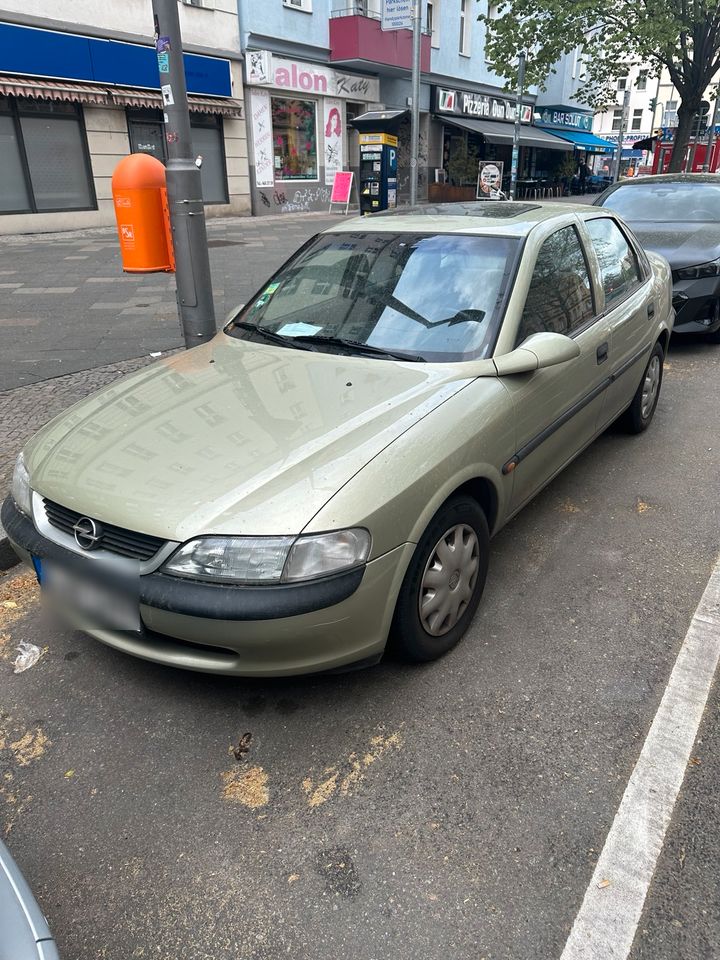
(125, 543)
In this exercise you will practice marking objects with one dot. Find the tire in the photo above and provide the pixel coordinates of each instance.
(460, 525)
(639, 414)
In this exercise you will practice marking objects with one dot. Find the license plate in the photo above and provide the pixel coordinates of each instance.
(88, 599)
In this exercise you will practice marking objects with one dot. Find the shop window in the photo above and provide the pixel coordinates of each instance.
(294, 139)
(147, 135)
(43, 158)
(465, 15)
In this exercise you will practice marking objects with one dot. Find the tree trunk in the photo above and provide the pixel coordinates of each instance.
(686, 118)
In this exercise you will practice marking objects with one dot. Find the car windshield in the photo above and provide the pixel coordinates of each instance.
(406, 295)
(667, 202)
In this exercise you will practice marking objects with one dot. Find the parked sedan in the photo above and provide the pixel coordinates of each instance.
(326, 473)
(24, 933)
(678, 215)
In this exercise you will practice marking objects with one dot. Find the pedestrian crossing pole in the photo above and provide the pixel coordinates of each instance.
(187, 214)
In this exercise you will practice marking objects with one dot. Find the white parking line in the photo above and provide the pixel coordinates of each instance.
(610, 912)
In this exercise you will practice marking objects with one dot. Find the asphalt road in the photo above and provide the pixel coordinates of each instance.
(450, 811)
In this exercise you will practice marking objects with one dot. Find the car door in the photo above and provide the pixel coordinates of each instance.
(628, 307)
(557, 408)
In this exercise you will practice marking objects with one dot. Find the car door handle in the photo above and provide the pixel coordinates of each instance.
(651, 310)
(602, 353)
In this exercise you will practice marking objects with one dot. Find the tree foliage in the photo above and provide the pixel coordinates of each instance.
(682, 35)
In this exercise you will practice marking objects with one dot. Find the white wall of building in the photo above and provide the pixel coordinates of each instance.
(214, 25)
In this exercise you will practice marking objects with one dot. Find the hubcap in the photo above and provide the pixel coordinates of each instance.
(651, 385)
(449, 580)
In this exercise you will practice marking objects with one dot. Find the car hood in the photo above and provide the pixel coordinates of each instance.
(230, 437)
(682, 244)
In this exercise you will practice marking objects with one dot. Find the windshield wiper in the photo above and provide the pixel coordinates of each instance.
(271, 337)
(358, 347)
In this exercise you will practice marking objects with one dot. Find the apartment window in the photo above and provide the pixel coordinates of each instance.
(465, 16)
(43, 157)
(637, 120)
(642, 80)
(622, 83)
(617, 118)
(147, 135)
(294, 139)
(304, 5)
(433, 22)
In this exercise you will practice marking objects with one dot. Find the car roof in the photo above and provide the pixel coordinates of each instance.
(669, 178)
(493, 217)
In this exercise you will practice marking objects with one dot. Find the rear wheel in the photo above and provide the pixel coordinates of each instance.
(714, 337)
(444, 582)
(639, 414)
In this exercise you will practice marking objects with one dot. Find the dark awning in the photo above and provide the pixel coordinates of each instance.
(496, 132)
(648, 143)
(379, 121)
(137, 97)
(38, 88)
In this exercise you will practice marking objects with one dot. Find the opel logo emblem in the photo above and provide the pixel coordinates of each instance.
(88, 534)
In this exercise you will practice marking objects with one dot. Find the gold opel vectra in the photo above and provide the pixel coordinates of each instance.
(324, 476)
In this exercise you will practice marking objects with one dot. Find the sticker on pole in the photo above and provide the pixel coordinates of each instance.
(167, 95)
(489, 181)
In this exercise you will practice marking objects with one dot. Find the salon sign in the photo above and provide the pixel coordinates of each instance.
(264, 69)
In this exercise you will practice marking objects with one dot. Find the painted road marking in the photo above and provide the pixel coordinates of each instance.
(610, 912)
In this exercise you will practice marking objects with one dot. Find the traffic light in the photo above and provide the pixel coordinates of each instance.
(653, 105)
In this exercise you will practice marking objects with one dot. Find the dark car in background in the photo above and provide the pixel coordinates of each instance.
(678, 215)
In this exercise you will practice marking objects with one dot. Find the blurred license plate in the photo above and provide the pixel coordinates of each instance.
(98, 602)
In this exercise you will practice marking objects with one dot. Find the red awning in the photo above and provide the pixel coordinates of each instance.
(41, 89)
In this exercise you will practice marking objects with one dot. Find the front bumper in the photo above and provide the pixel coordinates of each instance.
(274, 630)
(696, 305)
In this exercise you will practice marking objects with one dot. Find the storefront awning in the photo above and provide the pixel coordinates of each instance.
(40, 89)
(137, 97)
(648, 143)
(495, 132)
(586, 141)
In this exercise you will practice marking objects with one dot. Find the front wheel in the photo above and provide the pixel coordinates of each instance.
(640, 412)
(444, 582)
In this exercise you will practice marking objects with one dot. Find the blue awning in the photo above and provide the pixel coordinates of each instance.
(585, 141)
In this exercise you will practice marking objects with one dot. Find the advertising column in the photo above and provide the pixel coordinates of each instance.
(298, 114)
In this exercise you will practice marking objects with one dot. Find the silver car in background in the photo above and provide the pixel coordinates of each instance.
(24, 933)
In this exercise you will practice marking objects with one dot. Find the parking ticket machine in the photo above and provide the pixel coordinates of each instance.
(378, 141)
(378, 172)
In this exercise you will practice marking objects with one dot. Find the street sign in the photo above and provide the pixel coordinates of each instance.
(397, 15)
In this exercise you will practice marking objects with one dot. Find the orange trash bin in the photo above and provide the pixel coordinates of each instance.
(143, 218)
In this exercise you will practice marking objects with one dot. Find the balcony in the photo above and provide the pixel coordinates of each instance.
(358, 40)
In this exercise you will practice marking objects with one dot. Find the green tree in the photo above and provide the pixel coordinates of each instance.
(682, 35)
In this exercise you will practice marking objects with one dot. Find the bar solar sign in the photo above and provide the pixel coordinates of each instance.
(397, 14)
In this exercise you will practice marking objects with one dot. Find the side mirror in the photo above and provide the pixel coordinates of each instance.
(538, 351)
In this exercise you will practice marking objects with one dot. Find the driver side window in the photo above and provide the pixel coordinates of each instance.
(560, 296)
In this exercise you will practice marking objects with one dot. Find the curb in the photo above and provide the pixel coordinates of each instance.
(8, 557)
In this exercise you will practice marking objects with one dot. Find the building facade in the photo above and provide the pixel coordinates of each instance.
(313, 66)
(79, 90)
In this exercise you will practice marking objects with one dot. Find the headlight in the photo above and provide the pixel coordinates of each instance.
(20, 489)
(270, 559)
(711, 269)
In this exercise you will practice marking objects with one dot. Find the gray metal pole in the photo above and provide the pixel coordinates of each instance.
(516, 128)
(711, 134)
(621, 136)
(187, 214)
(415, 110)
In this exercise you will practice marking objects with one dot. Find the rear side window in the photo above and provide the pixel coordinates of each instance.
(559, 299)
(619, 265)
